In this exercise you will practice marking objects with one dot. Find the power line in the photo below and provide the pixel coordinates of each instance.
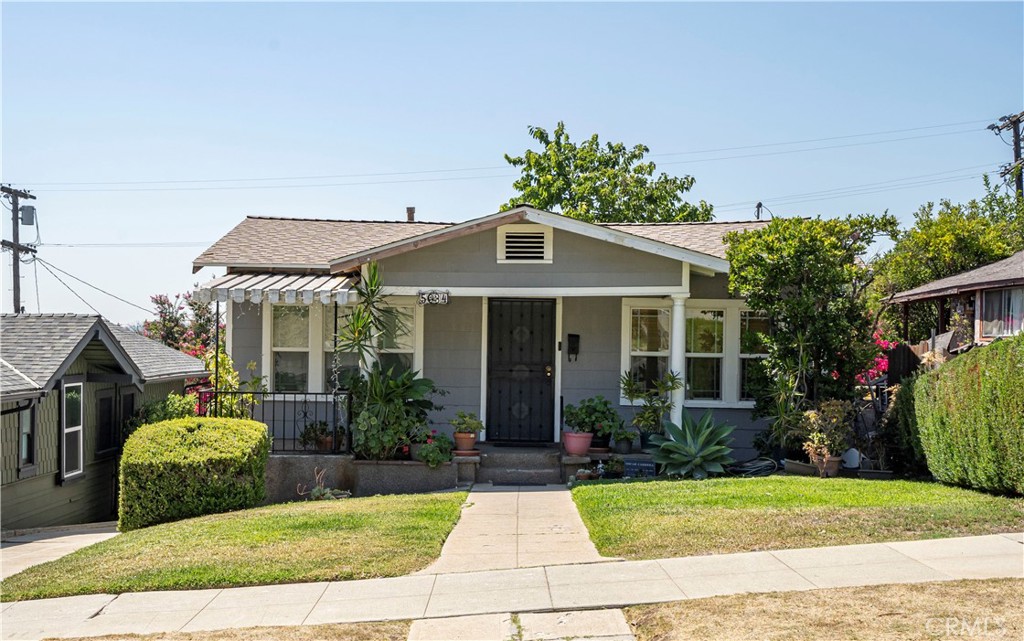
(238, 187)
(797, 151)
(77, 295)
(800, 142)
(47, 265)
(726, 206)
(129, 244)
(490, 167)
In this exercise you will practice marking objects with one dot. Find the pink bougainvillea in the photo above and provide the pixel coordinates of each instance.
(880, 364)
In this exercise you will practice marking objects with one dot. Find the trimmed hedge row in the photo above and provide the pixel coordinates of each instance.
(189, 467)
(970, 417)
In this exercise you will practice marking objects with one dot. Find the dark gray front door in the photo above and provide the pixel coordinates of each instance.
(520, 370)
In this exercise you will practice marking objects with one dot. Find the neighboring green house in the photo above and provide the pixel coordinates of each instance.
(68, 383)
(515, 314)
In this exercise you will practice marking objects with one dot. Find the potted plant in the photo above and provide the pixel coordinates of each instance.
(613, 468)
(594, 416)
(467, 426)
(622, 437)
(655, 402)
(437, 450)
(317, 435)
(826, 431)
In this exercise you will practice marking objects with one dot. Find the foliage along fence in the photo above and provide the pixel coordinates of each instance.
(970, 416)
(189, 467)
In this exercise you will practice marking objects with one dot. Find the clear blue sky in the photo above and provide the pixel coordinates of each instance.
(160, 92)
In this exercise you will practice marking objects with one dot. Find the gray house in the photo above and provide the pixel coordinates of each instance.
(68, 383)
(516, 314)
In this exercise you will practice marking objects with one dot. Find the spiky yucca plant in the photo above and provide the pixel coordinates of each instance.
(696, 448)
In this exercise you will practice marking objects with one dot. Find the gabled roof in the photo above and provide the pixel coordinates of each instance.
(268, 244)
(265, 243)
(16, 385)
(40, 348)
(1008, 272)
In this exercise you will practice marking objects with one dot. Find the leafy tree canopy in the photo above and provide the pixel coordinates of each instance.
(182, 323)
(944, 241)
(604, 183)
(808, 277)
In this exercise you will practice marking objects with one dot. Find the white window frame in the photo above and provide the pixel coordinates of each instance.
(65, 475)
(731, 362)
(27, 417)
(626, 341)
(415, 330)
(694, 311)
(984, 297)
(744, 356)
(549, 242)
(312, 332)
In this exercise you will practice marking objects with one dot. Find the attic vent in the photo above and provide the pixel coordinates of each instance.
(524, 244)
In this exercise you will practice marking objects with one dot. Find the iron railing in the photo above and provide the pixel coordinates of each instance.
(297, 422)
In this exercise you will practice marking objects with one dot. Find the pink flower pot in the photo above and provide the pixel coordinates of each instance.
(576, 443)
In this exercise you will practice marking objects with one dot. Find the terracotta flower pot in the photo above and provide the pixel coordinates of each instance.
(325, 443)
(465, 441)
(576, 443)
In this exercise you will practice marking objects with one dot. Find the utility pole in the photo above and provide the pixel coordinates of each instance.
(15, 246)
(1012, 123)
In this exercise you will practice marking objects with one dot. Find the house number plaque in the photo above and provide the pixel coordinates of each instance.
(433, 297)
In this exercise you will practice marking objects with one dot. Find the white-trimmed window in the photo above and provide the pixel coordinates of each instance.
(647, 333)
(705, 353)
(752, 349)
(26, 442)
(397, 346)
(347, 362)
(72, 460)
(290, 347)
(525, 243)
(1002, 312)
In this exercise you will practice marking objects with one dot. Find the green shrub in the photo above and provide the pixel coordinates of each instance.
(900, 431)
(165, 409)
(189, 467)
(970, 416)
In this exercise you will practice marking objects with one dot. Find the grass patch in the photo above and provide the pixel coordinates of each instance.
(384, 631)
(654, 519)
(988, 609)
(361, 538)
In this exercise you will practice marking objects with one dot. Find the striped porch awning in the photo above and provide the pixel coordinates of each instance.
(277, 288)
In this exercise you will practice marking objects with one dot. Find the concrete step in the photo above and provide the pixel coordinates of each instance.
(524, 458)
(512, 476)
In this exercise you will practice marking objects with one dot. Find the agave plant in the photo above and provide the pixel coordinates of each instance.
(695, 448)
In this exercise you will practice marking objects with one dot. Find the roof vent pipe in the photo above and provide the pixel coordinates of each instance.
(410, 214)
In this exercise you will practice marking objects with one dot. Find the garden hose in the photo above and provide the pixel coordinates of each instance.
(754, 467)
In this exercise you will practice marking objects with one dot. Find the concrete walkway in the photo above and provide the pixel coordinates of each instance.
(505, 527)
(561, 588)
(40, 546)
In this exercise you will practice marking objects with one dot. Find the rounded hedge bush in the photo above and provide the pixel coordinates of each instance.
(189, 467)
(970, 417)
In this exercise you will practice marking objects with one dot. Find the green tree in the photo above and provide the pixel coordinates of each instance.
(182, 323)
(600, 183)
(807, 276)
(944, 241)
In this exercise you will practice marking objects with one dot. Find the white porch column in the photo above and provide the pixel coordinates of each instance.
(677, 349)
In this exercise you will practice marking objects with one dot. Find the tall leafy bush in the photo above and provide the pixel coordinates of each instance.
(970, 416)
(189, 467)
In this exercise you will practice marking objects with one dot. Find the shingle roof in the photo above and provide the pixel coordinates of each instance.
(154, 360)
(1002, 273)
(303, 243)
(14, 383)
(38, 345)
(265, 242)
(702, 237)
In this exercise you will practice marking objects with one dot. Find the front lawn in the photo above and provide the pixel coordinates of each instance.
(361, 538)
(987, 609)
(655, 519)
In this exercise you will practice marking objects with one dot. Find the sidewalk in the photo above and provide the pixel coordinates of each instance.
(505, 527)
(40, 546)
(541, 589)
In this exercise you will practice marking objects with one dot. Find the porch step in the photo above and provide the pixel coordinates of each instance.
(513, 476)
(510, 465)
